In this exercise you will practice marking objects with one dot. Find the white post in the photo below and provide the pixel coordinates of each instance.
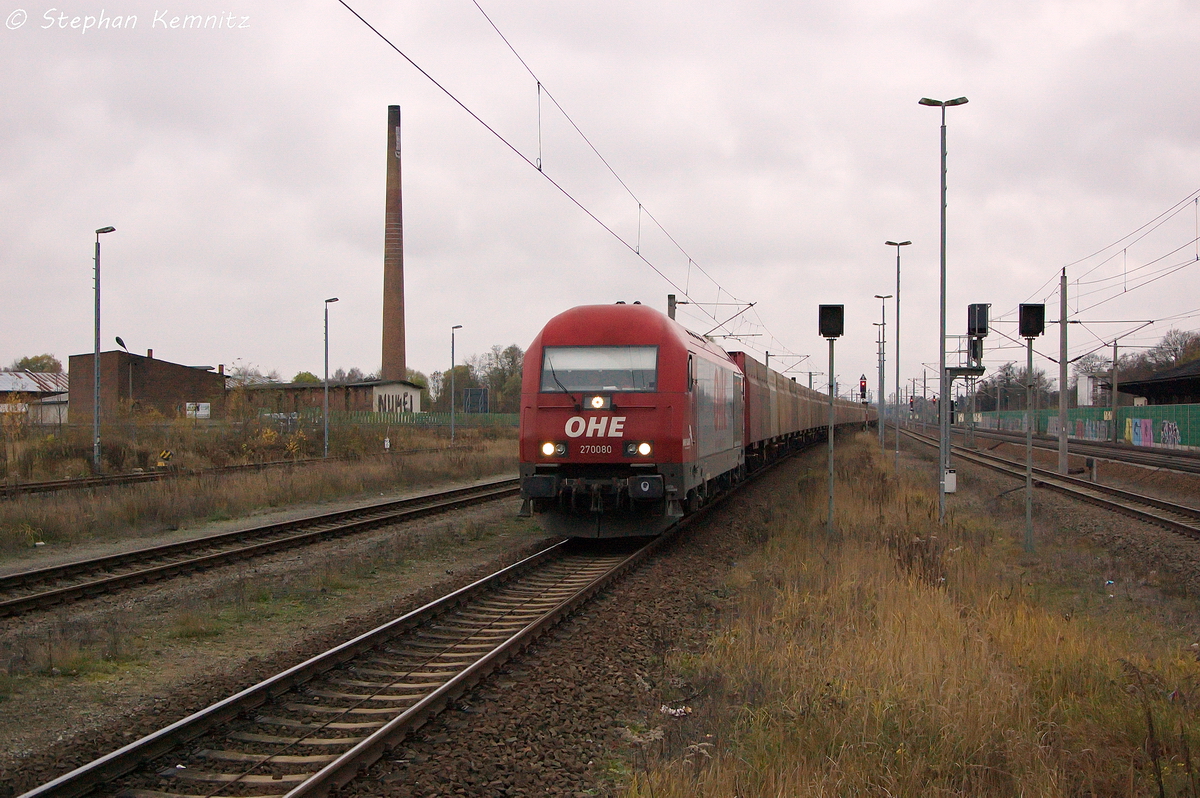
(326, 410)
(1062, 373)
(452, 388)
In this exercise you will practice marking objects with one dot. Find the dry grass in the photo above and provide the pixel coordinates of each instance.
(898, 661)
(69, 645)
(115, 513)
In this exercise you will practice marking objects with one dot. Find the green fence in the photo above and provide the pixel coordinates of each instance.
(422, 419)
(1172, 426)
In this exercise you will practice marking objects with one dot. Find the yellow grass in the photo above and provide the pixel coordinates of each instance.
(898, 661)
(120, 512)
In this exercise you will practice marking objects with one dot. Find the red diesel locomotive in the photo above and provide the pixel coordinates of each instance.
(629, 420)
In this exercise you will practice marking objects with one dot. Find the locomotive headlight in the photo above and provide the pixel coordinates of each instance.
(560, 449)
(598, 402)
(548, 449)
(638, 448)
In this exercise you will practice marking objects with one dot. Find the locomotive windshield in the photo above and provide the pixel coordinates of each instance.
(599, 368)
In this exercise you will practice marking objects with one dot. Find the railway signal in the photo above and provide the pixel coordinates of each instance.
(831, 324)
(1031, 323)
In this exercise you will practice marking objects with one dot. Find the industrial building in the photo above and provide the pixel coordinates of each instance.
(380, 396)
(41, 397)
(133, 383)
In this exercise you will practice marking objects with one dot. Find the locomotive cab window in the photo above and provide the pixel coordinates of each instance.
(570, 369)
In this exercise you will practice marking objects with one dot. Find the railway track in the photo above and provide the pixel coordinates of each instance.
(8, 491)
(1185, 461)
(31, 590)
(1176, 517)
(313, 727)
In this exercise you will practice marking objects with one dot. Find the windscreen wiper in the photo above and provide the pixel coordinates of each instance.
(557, 381)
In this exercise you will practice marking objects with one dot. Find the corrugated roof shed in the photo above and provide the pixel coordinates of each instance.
(37, 382)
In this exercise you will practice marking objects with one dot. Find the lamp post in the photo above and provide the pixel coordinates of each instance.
(882, 356)
(327, 303)
(943, 387)
(452, 329)
(897, 245)
(96, 362)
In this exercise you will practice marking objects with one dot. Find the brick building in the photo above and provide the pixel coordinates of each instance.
(380, 396)
(129, 381)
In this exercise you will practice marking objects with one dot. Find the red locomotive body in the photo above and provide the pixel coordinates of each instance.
(629, 420)
(626, 418)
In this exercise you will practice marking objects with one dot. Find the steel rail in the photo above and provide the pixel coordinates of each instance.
(452, 612)
(12, 490)
(126, 759)
(184, 556)
(1185, 461)
(446, 618)
(1176, 517)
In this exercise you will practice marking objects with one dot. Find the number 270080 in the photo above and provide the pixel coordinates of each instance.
(590, 448)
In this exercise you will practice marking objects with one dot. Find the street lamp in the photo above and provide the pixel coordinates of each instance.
(326, 414)
(96, 362)
(452, 329)
(897, 245)
(943, 406)
(882, 356)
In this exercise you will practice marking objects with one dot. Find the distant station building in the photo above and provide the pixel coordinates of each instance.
(377, 396)
(133, 383)
(39, 397)
(1179, 385)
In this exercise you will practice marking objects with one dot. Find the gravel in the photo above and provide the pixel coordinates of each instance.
(572, 715)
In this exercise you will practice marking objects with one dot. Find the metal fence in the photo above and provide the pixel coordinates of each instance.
(1171, 426)
(464, 420)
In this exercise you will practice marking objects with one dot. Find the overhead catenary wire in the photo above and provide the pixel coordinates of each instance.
(511, 146)
(587, 140)
(1100, 290)
(538, 164)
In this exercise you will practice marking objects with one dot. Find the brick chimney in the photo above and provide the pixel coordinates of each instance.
(394, 365)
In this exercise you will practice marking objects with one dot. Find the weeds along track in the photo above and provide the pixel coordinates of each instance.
(313, 727)
(11, 490)
(1188, 462)
(31, 590)
(1175, 517)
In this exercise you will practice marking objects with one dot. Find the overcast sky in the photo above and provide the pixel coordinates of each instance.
(779, 143)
